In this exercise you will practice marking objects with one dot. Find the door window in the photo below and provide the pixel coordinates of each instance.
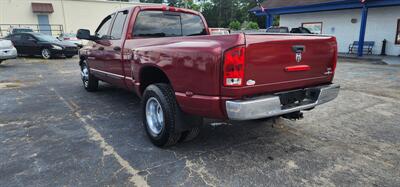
(16, 37)
(26, 37)
(118, 26)
(102, 30)
(30, 38)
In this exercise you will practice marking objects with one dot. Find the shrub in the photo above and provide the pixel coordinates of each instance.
(234, 25)
(252, 26)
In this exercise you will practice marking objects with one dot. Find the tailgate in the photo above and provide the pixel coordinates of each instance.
(284, 62)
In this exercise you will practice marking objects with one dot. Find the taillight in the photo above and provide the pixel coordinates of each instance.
(234, 66)
(66, 38)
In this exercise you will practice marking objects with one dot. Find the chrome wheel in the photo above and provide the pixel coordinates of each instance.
(154, 116)
(46, 53)
(85, 76)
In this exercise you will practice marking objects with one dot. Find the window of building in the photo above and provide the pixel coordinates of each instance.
(118, 26)
(398, 33)
(314, 27)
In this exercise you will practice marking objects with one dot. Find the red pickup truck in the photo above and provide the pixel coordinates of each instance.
(182, 73)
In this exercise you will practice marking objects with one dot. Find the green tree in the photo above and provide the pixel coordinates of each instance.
(235, 25)
(220, 13)
(176, 3)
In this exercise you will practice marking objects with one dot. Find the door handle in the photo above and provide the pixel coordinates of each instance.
(117, 48)
(101, 48)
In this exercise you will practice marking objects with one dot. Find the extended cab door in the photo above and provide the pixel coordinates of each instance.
(114, 52)
(96, 50)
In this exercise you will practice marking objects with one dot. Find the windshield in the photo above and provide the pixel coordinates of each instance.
(45, 38)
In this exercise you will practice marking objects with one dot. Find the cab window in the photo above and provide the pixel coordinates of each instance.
(192, 25)
(157, 24)
(152, 24)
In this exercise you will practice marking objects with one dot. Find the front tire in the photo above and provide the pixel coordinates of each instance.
(90, 83)
(46, 54)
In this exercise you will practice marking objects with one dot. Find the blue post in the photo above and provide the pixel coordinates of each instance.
(364, 16)
(269, 21)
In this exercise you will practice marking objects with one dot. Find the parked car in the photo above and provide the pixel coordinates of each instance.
(183, 74)
(219, 31)
(43, 45)
(19, 30)
(300, 30)
(7, 50)
(71, 37)
(275, 29)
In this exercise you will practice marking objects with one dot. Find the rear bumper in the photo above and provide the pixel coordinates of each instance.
(8, 54)
(270, 105)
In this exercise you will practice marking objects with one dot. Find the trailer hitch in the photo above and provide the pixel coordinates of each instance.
(293, 116)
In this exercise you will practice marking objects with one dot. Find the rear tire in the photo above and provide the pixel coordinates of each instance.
(160, 113)
(90, 83)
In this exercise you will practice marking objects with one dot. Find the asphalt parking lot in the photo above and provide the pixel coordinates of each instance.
(54, 133)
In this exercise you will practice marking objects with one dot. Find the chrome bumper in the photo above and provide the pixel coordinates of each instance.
(270, 105)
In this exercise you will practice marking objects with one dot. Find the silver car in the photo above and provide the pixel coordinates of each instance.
(7, 50)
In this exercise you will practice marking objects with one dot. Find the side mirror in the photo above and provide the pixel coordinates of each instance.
(84, 34)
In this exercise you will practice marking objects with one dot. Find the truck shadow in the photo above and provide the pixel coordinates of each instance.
(218, 150)
(215, 134)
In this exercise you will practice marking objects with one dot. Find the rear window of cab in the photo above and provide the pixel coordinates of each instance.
(155, 24)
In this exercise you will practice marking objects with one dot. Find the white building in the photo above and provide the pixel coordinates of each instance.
(348, 20)
(56, 16)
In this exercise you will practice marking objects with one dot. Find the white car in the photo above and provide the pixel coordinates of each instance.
(219, 31)
(7, 50)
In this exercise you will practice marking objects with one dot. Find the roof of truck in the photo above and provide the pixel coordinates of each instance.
(162, 7)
